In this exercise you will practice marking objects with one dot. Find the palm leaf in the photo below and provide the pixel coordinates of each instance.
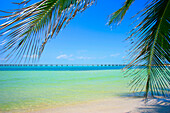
(118, 16)
(150, 49)
(27, 30)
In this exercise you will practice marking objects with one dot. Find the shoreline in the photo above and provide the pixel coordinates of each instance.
(115, 105)
(110, 105)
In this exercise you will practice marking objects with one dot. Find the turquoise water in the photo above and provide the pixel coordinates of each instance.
(25, 90)
(57, 68)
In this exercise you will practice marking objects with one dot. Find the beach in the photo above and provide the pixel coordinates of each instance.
(111, 105)
(70, 56)
(90, 91)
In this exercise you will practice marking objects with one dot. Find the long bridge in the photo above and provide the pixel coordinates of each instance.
(62, 64)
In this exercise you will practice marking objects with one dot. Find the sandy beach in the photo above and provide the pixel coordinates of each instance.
(73, 92)
(114, 105)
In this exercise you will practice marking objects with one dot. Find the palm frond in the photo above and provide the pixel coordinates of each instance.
(150, 53)
(117, 17)
(151, 49)
(23, 2)
(27, 30)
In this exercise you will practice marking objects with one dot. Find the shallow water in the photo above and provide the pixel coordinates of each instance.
(24, 90)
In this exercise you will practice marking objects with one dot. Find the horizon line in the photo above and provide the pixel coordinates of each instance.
(63, 64)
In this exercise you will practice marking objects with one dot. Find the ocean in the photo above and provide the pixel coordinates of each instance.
(33, 87)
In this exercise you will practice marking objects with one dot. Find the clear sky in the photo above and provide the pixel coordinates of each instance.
(87, 39)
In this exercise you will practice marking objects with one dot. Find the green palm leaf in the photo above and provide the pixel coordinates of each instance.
(150, 49)
(27, 30)
(117, 16)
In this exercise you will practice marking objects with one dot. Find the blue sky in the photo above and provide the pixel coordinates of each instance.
(87, 39)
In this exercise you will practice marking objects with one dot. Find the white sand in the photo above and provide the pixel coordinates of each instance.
(114, 105)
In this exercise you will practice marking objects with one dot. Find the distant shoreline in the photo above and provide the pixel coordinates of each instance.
(65, 67)
(75, 65)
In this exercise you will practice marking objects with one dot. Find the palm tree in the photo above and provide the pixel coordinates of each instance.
(27, 30)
